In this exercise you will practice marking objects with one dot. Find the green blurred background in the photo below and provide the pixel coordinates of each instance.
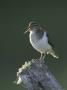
(14, 45)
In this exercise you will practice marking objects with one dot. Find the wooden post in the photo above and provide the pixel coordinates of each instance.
(35, 75)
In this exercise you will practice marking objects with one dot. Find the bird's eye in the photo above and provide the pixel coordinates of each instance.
(32, 23)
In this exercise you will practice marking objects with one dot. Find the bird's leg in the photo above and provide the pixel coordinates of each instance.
(42, 56)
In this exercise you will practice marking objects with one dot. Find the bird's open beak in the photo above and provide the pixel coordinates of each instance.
(28, 30)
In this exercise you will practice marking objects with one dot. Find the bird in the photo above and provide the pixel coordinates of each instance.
(39, 39)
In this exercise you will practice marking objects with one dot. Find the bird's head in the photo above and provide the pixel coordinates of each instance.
(32, 26)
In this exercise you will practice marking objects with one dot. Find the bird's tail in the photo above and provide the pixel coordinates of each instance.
(52, 52)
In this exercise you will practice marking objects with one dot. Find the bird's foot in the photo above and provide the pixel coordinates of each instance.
(42, 56)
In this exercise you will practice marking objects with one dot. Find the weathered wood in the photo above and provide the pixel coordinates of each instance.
(35, 75)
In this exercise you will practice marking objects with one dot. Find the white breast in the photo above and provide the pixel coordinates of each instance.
(40, 45)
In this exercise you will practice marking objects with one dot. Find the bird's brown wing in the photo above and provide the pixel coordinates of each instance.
(45, 29)
(49, 40)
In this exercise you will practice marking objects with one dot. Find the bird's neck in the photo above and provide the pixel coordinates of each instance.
(35, 36)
